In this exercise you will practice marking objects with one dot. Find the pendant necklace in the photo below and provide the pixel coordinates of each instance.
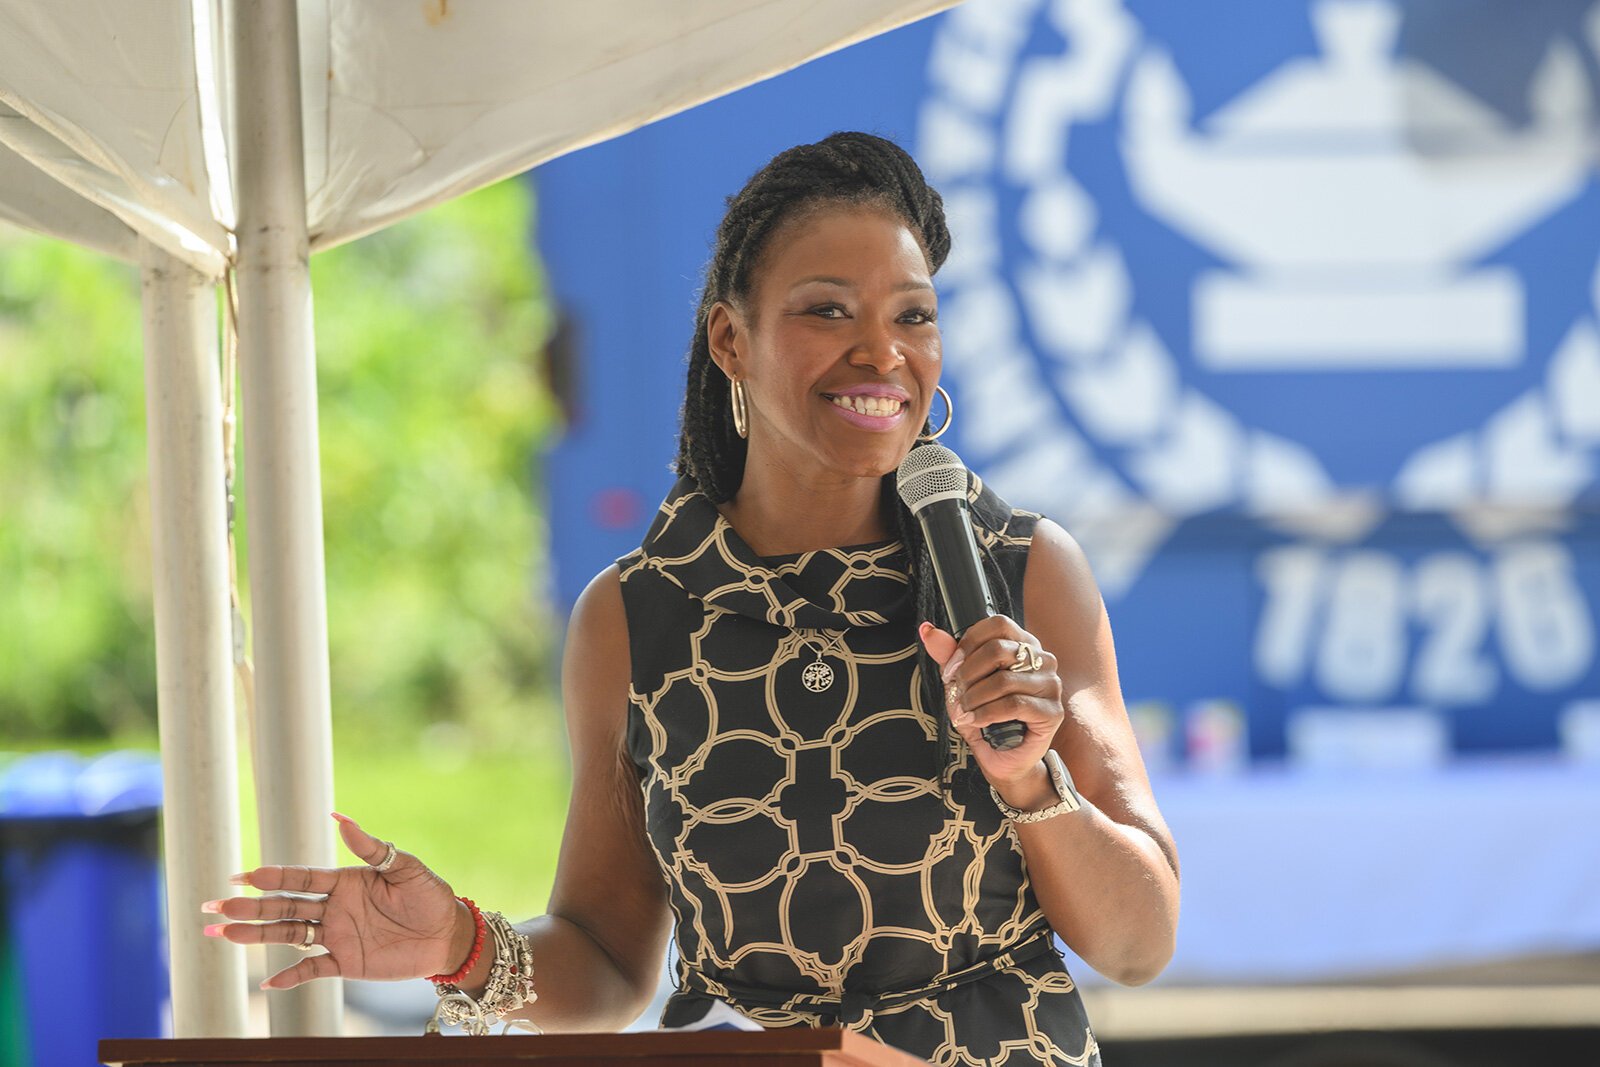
(818, 676)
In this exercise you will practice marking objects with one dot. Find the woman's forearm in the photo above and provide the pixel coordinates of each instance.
(580, 986)
(1107, 888)
(1108, 891)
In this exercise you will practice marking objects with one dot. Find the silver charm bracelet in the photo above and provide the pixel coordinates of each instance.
(510, 983)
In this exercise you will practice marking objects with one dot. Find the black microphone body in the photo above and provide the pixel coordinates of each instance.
(934, 487)
(947, 527)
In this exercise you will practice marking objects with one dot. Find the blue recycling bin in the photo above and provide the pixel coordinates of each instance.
(81, 888)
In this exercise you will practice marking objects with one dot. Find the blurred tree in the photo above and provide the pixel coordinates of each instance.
(77, 652)
(431, 413)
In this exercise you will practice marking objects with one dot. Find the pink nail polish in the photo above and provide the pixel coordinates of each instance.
(242, 878)
(343, 818)
(952, 665)
(213, 907)
(214, 930)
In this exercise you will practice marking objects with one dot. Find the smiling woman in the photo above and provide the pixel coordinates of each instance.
(776, 747)
(839, 368)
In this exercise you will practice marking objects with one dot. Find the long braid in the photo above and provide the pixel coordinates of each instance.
(844, 168)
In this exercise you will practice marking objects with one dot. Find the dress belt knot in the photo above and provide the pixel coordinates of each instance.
(854, 1007)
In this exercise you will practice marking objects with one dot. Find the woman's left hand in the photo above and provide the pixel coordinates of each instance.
(982, 689)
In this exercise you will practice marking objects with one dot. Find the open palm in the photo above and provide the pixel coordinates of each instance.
(379, 925)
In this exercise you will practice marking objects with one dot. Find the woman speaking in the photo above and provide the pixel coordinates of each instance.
(776, 741)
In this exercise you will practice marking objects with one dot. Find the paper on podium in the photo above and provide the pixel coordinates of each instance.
(719, 1016)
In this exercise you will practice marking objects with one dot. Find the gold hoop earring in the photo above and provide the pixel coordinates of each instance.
(741, 413)
(949, 413)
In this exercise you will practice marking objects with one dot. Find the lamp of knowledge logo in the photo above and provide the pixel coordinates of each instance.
(1263, 264)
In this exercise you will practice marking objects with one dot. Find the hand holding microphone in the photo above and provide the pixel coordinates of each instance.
(933, 484)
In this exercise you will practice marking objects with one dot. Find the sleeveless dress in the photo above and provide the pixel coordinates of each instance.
(825, 863)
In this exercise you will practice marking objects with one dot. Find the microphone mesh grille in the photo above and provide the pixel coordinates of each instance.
(930, 472)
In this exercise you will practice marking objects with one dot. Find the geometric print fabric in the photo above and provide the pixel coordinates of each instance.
(825, 863)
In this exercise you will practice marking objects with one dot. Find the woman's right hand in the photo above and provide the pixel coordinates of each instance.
(401, 923)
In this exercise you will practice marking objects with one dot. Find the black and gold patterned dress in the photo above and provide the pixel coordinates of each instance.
(821, 868)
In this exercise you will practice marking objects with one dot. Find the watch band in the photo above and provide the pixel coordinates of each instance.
(1069, 802)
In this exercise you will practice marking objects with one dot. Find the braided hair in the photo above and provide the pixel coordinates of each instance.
(849, 169)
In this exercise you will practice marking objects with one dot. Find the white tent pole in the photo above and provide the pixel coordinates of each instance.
(194, 662)
(283, 485)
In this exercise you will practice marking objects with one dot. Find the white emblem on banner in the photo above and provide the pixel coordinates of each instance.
(1353, 203)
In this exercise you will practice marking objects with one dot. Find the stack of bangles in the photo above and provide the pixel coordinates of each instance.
(510, 976)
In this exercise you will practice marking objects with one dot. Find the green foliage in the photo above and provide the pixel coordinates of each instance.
(431, 414)
(431, 411)
(77, 646)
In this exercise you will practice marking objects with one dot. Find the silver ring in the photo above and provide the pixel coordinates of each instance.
(1028, 659)
(388, 859)
(309, 942)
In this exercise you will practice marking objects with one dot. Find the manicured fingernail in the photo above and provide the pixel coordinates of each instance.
(925, 629)
(212, 906)
(243, 878)
(215, 929)
(344, 818)
(266, 983)
(952, 665)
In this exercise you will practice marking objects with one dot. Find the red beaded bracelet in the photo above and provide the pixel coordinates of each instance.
(480, 928)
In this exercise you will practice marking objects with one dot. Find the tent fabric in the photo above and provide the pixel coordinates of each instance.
(114, 121)
(36, 202)
(101, 99)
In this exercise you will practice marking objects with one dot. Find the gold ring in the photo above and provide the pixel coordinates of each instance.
(309, 942)
(1028, 659)
(388, 859)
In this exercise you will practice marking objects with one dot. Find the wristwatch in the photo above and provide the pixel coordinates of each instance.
(1070, 801)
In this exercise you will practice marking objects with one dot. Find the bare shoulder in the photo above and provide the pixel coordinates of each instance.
(1058, 577)
(1065, 611)
(599, 613)
(595, 666)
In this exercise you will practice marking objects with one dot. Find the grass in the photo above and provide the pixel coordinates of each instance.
(486, 815)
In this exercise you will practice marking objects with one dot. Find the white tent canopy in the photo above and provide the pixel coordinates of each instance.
(202, 137)
(121, 109)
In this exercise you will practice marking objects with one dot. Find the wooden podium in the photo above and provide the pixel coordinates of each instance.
(780, 1048)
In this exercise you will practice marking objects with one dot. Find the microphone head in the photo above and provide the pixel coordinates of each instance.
(931, 472)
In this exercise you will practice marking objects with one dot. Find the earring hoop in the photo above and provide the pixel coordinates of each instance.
(949, 414)
(741, 412)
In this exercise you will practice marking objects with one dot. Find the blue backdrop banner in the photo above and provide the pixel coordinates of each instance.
(1287, 311)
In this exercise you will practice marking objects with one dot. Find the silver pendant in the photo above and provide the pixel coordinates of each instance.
(817, 676)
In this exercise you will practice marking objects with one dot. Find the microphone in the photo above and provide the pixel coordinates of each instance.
(932, 482)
